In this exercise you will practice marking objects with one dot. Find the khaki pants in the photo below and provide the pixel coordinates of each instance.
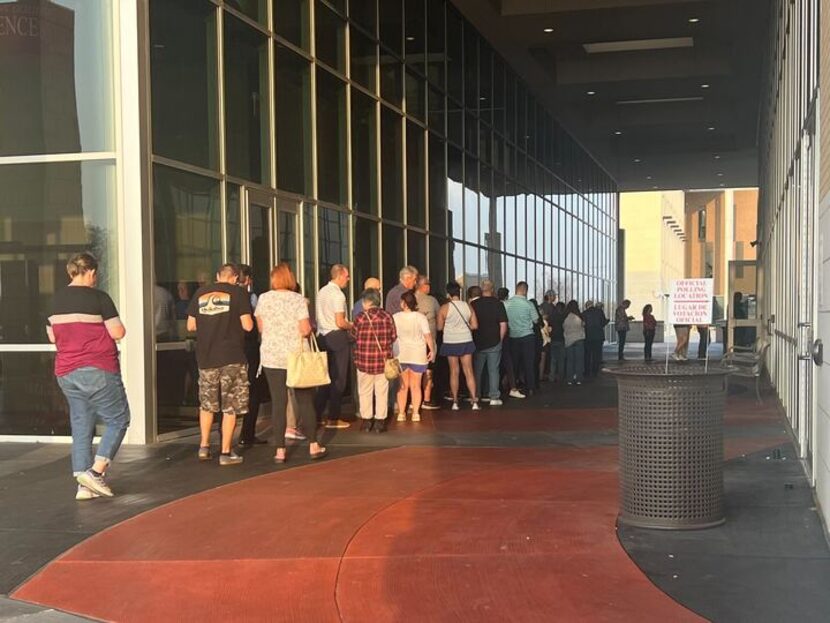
(371, 386)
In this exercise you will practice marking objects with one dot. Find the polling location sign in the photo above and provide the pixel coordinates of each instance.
(691, 301)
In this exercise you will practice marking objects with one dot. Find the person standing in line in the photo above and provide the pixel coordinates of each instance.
(548, 308)
(333, 328)
(541, 333)
(488, 338)
(220, 315)
(521, 316)
(458, 321)
(682, 348)
(372, 283)
(574, 328)
(258, 386)
(508, 373)
(407, 278)
(649, 330)
(428, 305)
(292, 431)
(283, 322)
(595, 323)
(557, 343)
(622, 324)
(164, 314)
(415, 350)
(84, 327)
(374, 335)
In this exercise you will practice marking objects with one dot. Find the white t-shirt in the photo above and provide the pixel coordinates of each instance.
(280, 311)
(330, 301)
(412, 328)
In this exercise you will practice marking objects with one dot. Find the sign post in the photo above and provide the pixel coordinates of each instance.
(691, 304)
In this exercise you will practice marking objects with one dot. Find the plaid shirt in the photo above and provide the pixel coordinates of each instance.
(367, 357)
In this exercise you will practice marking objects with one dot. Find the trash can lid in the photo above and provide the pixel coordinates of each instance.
(674, 370)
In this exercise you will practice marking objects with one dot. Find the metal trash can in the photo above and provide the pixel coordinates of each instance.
(671, 445)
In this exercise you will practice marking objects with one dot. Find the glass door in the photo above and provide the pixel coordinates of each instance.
(258, 247)
(288, 211)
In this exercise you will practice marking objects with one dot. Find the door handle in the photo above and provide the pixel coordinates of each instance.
(818, 352)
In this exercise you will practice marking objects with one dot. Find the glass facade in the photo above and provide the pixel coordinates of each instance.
(372, 133)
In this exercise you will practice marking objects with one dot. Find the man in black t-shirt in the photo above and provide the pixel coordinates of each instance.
(220, 314)
(492, 329)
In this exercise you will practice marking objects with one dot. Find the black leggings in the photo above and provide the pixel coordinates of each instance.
(279, 401)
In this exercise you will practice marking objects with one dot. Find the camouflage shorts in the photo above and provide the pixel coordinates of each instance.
(224, 389)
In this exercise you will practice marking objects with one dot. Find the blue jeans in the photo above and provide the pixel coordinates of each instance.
(575, 361)
(94, 395)
(557, 360)
(491, 357)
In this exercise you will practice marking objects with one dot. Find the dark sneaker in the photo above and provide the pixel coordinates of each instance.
(94, 483)
(230, 459)
(366, 426)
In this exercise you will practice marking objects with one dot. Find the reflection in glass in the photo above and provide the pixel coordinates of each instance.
(185, 92)
(233, 224)
(287, 237)
(309, 253)
(416, 250)
(415, 35)
(331, 37)
(415, 176)
(415, 96)
(333, 232)
(291, 21)
(246, 101)
(455, 53)
(437, 264)
(255, 9)
(331, 138)
(485, 96)
(437, 187)
(435, 111)
(435, 42)
(56, 72)
(364, 154)
(364, 59)
(260, 243)
(391, 24)
(177, 382)
(391, 164)
(391, 79)
(48, 213)
(471, 224)
(293, 121)
(366, 258)
(31, 403)
(187, 229)
(455, 192)
(364, 13)
(471, 69)
(487, 213)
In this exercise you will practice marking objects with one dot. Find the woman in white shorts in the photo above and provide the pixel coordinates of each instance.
(415, 349)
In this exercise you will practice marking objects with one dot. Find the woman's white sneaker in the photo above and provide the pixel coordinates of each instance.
(85, 494)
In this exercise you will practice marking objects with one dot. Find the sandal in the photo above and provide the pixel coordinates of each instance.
(318, 455)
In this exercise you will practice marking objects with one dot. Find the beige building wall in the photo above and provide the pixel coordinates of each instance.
(654, 253)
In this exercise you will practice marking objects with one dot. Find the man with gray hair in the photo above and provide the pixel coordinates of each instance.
(492, 329)
(408, 278)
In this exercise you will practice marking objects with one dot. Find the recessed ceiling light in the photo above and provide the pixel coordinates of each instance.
(717, 157)
(704, 86)
(648, 177)
(711, 128)
(591, 93)
(694, 20)
(722, 185)
(720, 174)
(410, 38)
(482, 99)
(548, 29)
(637, 160)
(655, 187)
(617, 132)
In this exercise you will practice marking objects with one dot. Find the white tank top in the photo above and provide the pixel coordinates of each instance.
(456, 326)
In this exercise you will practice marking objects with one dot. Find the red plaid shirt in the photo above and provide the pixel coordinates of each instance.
(367, 357)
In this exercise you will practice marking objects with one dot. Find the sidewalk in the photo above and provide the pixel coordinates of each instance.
(508, 514)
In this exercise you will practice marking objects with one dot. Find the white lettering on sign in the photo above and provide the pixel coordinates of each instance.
(691, 301)
(19, 26)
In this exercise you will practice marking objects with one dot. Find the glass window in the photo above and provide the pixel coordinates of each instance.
(255, 9)
(436, 115)
(391, 165)
(455, 54)
(391, 80)
(233, 224)
(49, 213)
(471, 134)
(364, 13)
(415, 96)
(183, 72)
(510, 217)
(471, 224)
(416, 249)
(246, 101)
(437, 187)
(391, 25)
(293, 122)
(333, 232)
(309, 253)
(455, 192)
(435, 42)
(366, 256)
(455, 123)
(364, 154)
(415, 34)
(415, 176)
(470, 68)
(187, 228)
(364, 60)
(498, 94)
(487, 213)
(331, 37)
(393, 252)
(33, 404)
(291, 21)
(331, 138)
(57, 93)
(437, 264)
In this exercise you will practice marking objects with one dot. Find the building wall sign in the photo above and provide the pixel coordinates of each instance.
(691, 301)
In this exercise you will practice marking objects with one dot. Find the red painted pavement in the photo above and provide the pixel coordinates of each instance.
(409, 534)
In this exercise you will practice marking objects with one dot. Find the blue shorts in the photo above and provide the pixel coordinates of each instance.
(418, 368)
(457, 350)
